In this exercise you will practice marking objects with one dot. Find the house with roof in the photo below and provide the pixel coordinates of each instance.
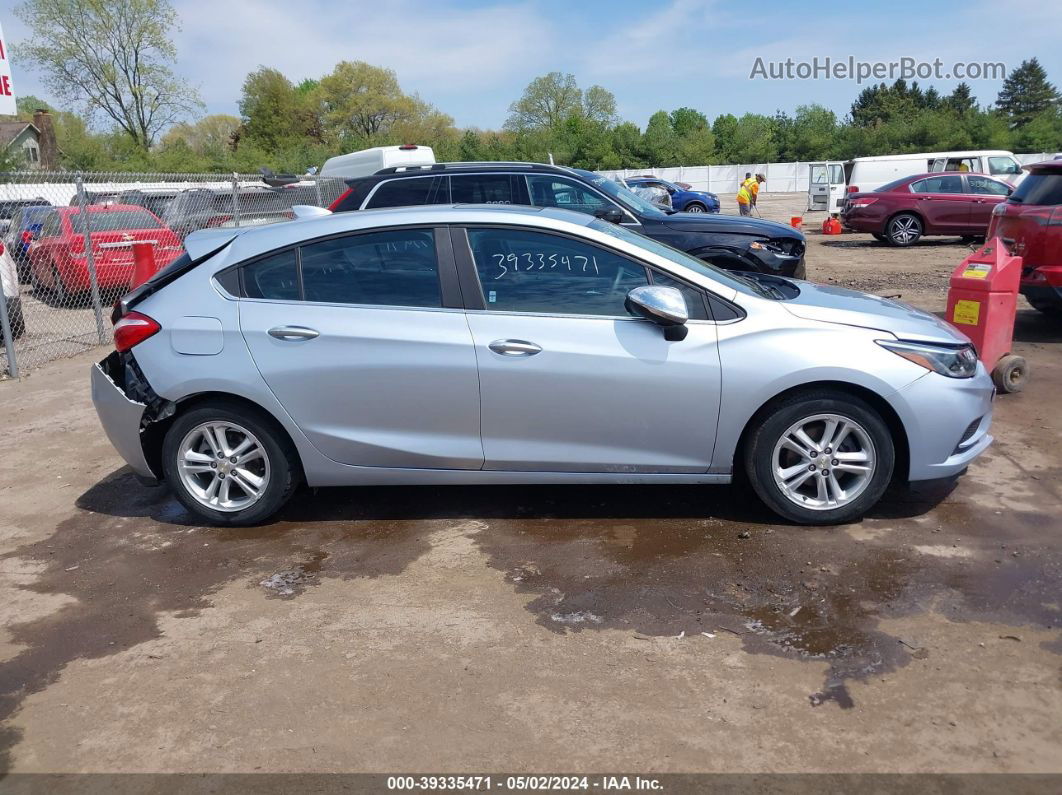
(23, 140)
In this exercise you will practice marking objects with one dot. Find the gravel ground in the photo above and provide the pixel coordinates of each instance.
(536, 628)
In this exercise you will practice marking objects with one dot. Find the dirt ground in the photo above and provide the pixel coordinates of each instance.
(576, 629)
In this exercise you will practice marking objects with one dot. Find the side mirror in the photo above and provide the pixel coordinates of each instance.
(665, 306)
(610, 214)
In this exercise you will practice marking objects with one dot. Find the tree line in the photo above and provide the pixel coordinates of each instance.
(124, 109)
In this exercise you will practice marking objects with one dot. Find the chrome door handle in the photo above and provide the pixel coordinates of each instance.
(514, 347)
(293, 333)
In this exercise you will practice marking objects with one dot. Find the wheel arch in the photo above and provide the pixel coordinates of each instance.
(153, 435)
(877, 402)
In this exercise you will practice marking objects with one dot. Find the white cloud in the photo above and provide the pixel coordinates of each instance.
(433, 48)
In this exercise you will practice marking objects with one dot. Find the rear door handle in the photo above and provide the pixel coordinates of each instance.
(514, 347)
(289, 333)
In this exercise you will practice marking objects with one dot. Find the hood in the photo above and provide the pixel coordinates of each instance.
(730, 224)
(853, 308)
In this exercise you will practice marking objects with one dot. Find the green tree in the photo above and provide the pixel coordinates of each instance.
(1026, 93)
(269, 107)
(361, 103)
(813, 135)
(660, 145)
(546, 103)
(961, 100)
(754, 139)
(724, 128)
(115, 57)
(211, 137)
(599, 105)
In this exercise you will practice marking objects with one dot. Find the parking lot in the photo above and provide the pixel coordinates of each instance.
(571, 628)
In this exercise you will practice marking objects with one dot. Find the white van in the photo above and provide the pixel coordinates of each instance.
(369, 161)
(868, 173)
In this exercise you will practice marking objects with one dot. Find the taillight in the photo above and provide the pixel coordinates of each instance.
(407, 147)
(853, 189)
(1, 247)
(864, 202)
(333, 207)
(132, 329)
(27, 236)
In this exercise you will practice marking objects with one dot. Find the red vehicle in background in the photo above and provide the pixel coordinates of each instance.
(942, 203)
(1030, 225)
(58, 260)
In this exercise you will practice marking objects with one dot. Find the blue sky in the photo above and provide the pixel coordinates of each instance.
(471, 58)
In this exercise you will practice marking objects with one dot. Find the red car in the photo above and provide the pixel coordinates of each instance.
(941, 203)
(58, 262)
(1030, 225)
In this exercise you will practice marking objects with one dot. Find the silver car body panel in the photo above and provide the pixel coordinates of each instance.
(120, 418)
(607, 400)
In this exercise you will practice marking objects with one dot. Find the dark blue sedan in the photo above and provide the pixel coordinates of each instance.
(683, 199)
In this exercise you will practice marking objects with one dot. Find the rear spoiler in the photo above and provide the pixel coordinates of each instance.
(193, 256)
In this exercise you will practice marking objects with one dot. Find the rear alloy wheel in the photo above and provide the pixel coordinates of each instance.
(820, 458)
(904, 230)
(228, 465)
(694, 207)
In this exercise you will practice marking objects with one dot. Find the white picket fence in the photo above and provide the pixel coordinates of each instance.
(781, 177)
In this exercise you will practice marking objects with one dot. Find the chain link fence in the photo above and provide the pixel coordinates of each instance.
(68, 244)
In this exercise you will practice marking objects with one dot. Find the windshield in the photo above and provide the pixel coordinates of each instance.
(687, 261)
(622, 194)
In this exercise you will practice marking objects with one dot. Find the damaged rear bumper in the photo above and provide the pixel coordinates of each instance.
(121, 416)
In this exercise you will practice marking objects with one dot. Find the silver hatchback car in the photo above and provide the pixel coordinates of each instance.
(484, 345)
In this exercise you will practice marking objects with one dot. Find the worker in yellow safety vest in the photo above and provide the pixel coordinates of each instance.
(747, 193)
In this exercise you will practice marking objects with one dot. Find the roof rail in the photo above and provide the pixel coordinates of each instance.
(473, 164)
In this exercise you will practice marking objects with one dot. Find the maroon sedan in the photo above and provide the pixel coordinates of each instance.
(903, 211)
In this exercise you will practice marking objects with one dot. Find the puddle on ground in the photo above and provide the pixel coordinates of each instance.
(643, 559)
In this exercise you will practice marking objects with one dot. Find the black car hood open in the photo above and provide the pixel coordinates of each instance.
(730, 224)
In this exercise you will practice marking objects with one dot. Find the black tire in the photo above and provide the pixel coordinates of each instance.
(780, 416)
(59, 294)
(285, 470)
(694, 207)
(904, 230)
(1010, 374)
(15, 317)
(1049, 308)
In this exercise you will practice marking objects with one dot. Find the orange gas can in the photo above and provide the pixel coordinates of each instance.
(982, 304)
(831, 226)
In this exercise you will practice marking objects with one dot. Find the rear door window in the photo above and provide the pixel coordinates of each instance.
(481, 189)
(393, 268)
(405, 192)
(525, 271)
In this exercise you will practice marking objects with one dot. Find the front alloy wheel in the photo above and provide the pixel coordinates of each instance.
(695, 208)
(824, 461)
(819, 457)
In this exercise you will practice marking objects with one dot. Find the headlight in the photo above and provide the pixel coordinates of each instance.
(958, 361)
